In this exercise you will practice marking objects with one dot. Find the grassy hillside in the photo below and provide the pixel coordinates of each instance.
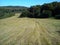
(29, 31)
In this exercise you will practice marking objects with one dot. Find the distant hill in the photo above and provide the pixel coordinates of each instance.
(13, 7)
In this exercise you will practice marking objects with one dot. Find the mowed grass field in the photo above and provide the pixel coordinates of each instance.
(29, 31)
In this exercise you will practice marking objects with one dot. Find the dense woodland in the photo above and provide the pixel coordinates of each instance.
(46, 10)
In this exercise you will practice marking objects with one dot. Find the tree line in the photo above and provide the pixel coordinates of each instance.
(46, 10)
(4, 13)
(8, 11)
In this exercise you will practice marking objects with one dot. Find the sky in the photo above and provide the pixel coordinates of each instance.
(26, 3)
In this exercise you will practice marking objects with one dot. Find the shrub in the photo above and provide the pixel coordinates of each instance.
(45, 14)
(26, 14)
(57, 16)
(6, 15)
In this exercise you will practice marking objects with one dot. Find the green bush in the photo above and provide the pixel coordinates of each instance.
(46, 14)
(6, 15)
(57, 16)
(25, 14)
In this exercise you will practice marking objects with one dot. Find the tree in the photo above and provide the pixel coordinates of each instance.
(25, 14)
(45, 14)
(44, 11)
(35, 11)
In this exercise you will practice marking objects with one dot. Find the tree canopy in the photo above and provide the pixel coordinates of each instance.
(43, 11)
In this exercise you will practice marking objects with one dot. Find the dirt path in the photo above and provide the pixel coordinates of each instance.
(47, 37)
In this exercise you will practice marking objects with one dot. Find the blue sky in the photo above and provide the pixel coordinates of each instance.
(27, 3)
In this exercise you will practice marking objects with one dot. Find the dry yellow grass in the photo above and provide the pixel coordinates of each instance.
(26, 31)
